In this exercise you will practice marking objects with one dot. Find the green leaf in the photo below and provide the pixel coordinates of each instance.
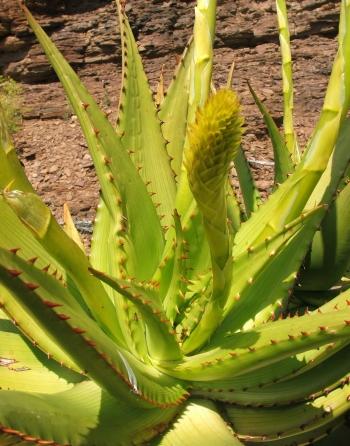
(330, 251)
(82, 416)
(15, 235)
(286, 424)
(287, 80)
(261, 286)
(311, 384)
(337, 100)
(250, 350)
(37, 217)
(202, 62)
(196, 300)
(282, 157)
(288, 368)
(249, 191)
(344, 40)
(24, 367)
(329, 255)
(118, 176)
(102, 359)
(173, 110)
(141, 128)
(198, 253)
(11, 172)
(234, 209)
(291, 197)
(161, 341)
(282, 370)
(304, 189)
(173, 288)
(339, 436)
(71, 229)
(109, 256)
(12, 232)
(199, 421)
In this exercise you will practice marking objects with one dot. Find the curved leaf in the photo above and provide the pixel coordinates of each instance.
(284, 425)
(109, 364)
(287, 80)
(23, 367)
(250, 350)
(118, 176)
(260, 286)
(330, 251)
(11, 172)
(199, 422)
(249, 191)
(36, 216)
(282, 157)
(161, 340)
(315, 382)
(82, 416)
(173, 110)
(141, 128)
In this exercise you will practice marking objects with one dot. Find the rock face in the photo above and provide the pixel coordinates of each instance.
(85, 29)
(86, 33)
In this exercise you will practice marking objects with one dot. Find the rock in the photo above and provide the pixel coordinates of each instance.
(85, 29)
(11, 44)
(53, 169)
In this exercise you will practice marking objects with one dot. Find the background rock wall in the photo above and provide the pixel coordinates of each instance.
(85, 30)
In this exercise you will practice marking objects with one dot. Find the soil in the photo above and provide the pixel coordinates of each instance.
(50, 142)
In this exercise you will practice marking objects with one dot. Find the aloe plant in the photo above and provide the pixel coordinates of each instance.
(175, 329)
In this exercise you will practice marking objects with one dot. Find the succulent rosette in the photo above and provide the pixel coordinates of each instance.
(196, 318)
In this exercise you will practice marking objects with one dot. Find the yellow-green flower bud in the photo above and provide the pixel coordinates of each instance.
(213, 142)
